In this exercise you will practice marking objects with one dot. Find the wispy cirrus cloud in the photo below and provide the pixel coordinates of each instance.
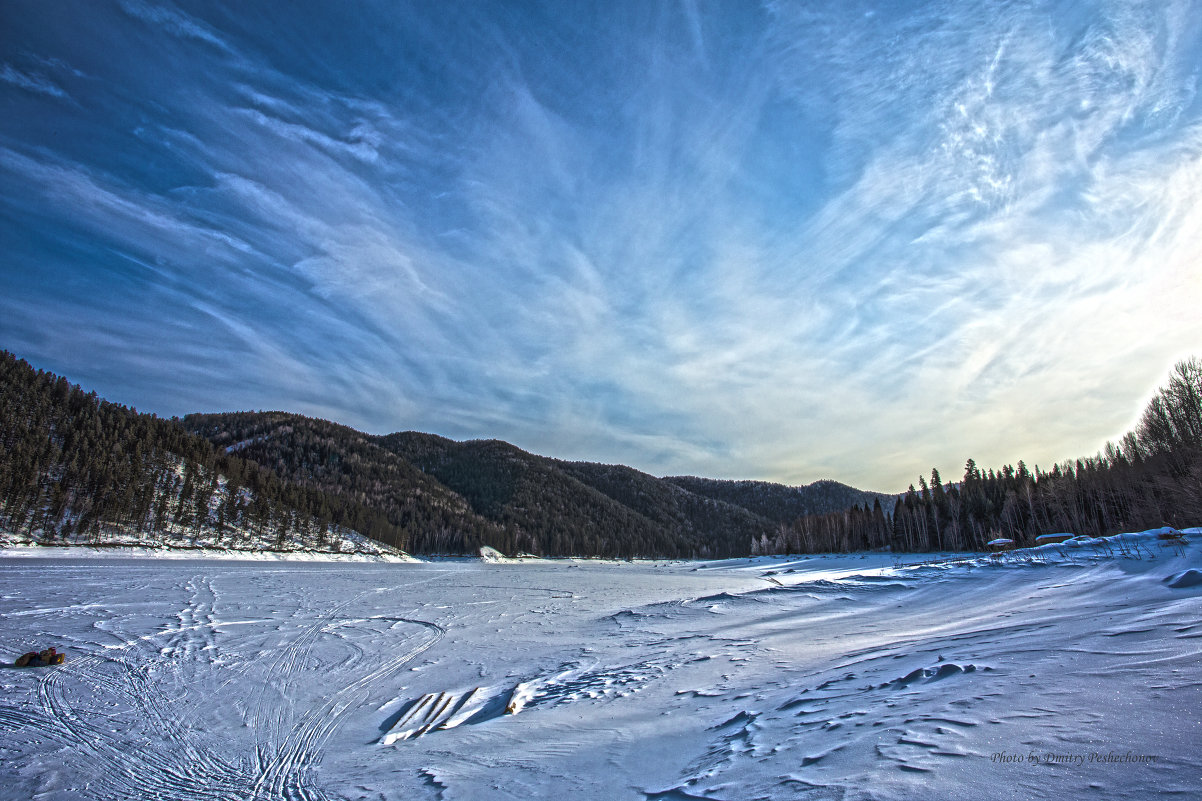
(31, 81)
(174, 22)
(789, 241)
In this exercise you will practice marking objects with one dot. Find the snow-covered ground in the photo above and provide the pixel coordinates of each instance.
(193, 528)
(1063, 672)
(312, 542)
(378, 553)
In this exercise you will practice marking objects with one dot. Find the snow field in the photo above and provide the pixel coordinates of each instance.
(1061, 671)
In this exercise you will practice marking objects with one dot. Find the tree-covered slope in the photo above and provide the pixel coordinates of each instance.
(422, 513)
(547, 509)
(690, 515)
(75, 465)
(75, 468)
(778, 502)
(445, 496)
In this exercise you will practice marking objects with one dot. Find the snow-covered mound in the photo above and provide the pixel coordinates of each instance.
(492, 555)
(1067, 670)
(1185, 579)
(334, 543)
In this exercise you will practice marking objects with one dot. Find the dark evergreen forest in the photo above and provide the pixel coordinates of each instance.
(1152, 477)
(452, 497)
(780, 503)
(73, 466)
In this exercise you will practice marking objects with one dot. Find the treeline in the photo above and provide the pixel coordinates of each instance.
(778, 502)
(74, 467)
(448, 497)
(420, 514)
(1152, 477)
(552, 507)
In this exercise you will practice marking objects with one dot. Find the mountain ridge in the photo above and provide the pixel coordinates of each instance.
(520, 501)
(77, 468)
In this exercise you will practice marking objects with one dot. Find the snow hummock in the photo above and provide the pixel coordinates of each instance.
(1184, 579)
(1062, 671)
(489, 554)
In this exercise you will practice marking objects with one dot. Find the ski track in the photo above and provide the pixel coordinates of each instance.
(143, 745)
(182, 770)
(719, 688)
(285, 765)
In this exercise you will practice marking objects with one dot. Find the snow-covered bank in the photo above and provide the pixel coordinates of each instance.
(1050, 673)
(341, 545)
(145, 552)
(302, 542)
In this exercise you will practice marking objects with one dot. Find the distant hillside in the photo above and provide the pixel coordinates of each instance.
(551, 506)
(780, 503)
(442, 496)
(668, 504)
(541, 509)
(453, 497)
(421, 514)
(75, 469)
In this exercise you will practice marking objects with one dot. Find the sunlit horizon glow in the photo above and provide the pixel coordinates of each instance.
(787, 241)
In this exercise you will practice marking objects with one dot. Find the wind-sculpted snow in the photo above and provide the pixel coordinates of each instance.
(1186, 578)
(1069, 670)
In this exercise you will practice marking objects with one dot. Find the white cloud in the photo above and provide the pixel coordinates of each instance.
(174, 22)
(32, 81)
(362, 145)
(145, 223)
(845, 246)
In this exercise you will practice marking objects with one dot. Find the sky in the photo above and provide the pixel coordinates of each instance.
(784, 241)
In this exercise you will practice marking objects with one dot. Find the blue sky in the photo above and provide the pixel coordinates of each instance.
(786, 241)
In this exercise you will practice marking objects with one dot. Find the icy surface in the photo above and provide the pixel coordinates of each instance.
(1069, 670)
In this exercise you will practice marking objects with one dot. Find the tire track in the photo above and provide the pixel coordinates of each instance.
(288, 774)
(125, 711)
(181, 771)
(119, 747)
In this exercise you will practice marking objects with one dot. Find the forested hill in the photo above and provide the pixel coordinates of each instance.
(552, 506)
(417, 511)
(77, 469)
(780, 503)
(74, 467)
(452, 497)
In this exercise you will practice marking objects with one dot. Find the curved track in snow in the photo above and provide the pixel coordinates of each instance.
(126, 711)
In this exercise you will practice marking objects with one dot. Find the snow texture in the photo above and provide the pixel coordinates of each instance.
(1068, 670)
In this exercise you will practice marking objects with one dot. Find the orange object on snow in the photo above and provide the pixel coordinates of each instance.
(40, 658)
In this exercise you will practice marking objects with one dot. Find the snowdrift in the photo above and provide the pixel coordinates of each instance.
(1070, 669)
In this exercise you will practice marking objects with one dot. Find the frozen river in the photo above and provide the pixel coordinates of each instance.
(1077, 675)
